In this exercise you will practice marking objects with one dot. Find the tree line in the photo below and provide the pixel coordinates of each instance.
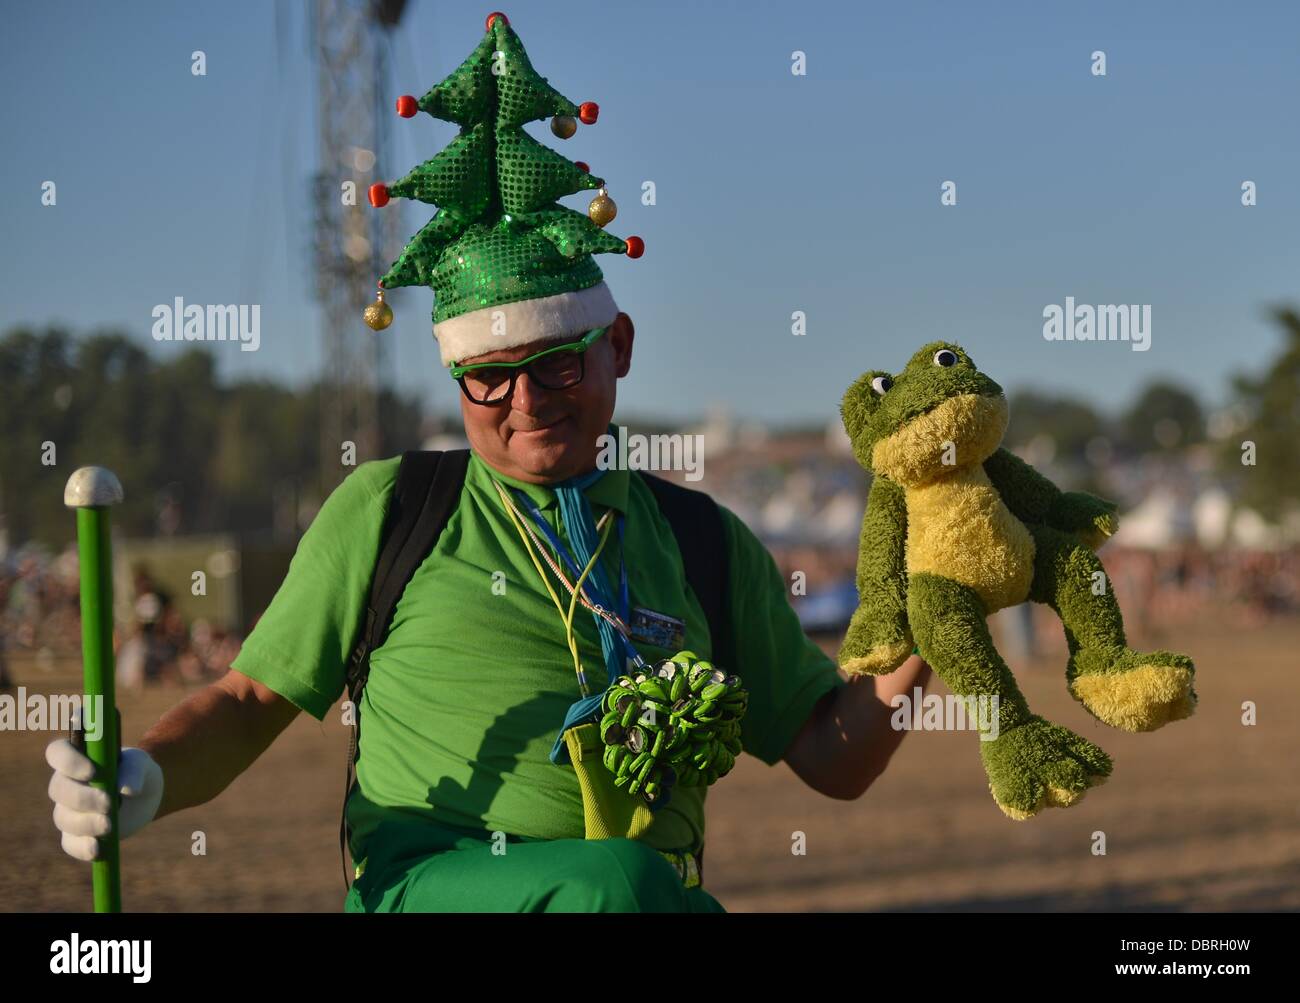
(194, 455)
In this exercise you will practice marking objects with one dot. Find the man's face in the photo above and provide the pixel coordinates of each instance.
(542, 436)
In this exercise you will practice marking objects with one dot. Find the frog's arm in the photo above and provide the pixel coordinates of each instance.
(878, 638)
(1032, 498)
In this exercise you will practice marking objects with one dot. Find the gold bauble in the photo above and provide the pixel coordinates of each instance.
(378, 315)
(602, 209)
(564, 126)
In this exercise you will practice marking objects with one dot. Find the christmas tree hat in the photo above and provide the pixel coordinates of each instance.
(508, 265)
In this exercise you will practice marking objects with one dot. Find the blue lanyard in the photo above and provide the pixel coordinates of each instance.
(591, 587)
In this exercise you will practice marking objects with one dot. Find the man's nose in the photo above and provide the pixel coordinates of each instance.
(528, 396)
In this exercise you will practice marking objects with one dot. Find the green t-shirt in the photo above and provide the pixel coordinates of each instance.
(468, 692)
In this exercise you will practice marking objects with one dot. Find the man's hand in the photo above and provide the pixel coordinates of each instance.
(847, 741)
(81, 812)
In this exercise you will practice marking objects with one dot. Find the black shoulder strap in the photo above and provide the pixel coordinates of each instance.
(701, 538)
(697, 524)
(425, 494)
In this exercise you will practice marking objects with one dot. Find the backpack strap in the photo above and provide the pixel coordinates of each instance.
(697, 524)
(425, 494)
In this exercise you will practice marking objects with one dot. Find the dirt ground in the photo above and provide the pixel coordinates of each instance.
(1203, 815)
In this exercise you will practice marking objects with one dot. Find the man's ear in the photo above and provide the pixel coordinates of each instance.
(621, 334)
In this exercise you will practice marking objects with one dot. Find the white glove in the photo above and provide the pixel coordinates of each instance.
(81, 811)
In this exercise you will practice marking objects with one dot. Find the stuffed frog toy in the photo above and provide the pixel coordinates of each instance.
(956, 528)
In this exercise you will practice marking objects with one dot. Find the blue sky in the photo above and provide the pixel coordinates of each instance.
(776, 193)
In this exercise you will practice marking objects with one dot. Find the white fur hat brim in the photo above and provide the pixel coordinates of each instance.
(562, 317)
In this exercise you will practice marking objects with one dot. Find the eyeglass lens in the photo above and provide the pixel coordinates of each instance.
(557, 371)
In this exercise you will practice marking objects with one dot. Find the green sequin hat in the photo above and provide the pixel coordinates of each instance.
(507, 264)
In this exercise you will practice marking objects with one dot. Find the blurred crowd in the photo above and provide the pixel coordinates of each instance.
(40, 615)
(1159, 591)
(160, 647)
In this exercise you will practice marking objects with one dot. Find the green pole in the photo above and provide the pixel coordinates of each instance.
(91, 490)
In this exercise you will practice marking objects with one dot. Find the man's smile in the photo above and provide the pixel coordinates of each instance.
(541, 428)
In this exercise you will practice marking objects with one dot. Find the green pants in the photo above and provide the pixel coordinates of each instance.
(422, 868)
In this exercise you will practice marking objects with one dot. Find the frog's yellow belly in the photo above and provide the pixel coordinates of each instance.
(958, 527)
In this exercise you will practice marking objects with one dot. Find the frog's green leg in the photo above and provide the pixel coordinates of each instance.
(1031, 763)
(878, 639)
(1119, 686)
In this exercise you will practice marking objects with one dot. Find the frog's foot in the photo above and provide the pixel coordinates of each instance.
(1041, 765)
(1131, 690)
(864, 652)
(876, 660)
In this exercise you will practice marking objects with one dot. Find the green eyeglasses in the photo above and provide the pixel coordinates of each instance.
(555, 368)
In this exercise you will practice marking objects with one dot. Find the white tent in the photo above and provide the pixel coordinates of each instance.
(1163, 519)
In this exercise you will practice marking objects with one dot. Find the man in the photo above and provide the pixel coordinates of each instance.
(464, 798)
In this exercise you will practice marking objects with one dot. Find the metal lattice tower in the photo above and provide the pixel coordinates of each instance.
(354, 244)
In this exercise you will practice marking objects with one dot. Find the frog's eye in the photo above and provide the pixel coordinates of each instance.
(881, 385)
(945, 357)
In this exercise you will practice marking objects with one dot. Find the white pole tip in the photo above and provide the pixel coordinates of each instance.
(92, 486)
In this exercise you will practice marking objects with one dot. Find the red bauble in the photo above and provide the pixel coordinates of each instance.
(587, 112)
(493, 16)
(406, 106)
(379, 195)
(582, 166)
(635, 247)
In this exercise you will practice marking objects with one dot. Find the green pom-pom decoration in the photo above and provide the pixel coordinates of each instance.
(676, 724)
